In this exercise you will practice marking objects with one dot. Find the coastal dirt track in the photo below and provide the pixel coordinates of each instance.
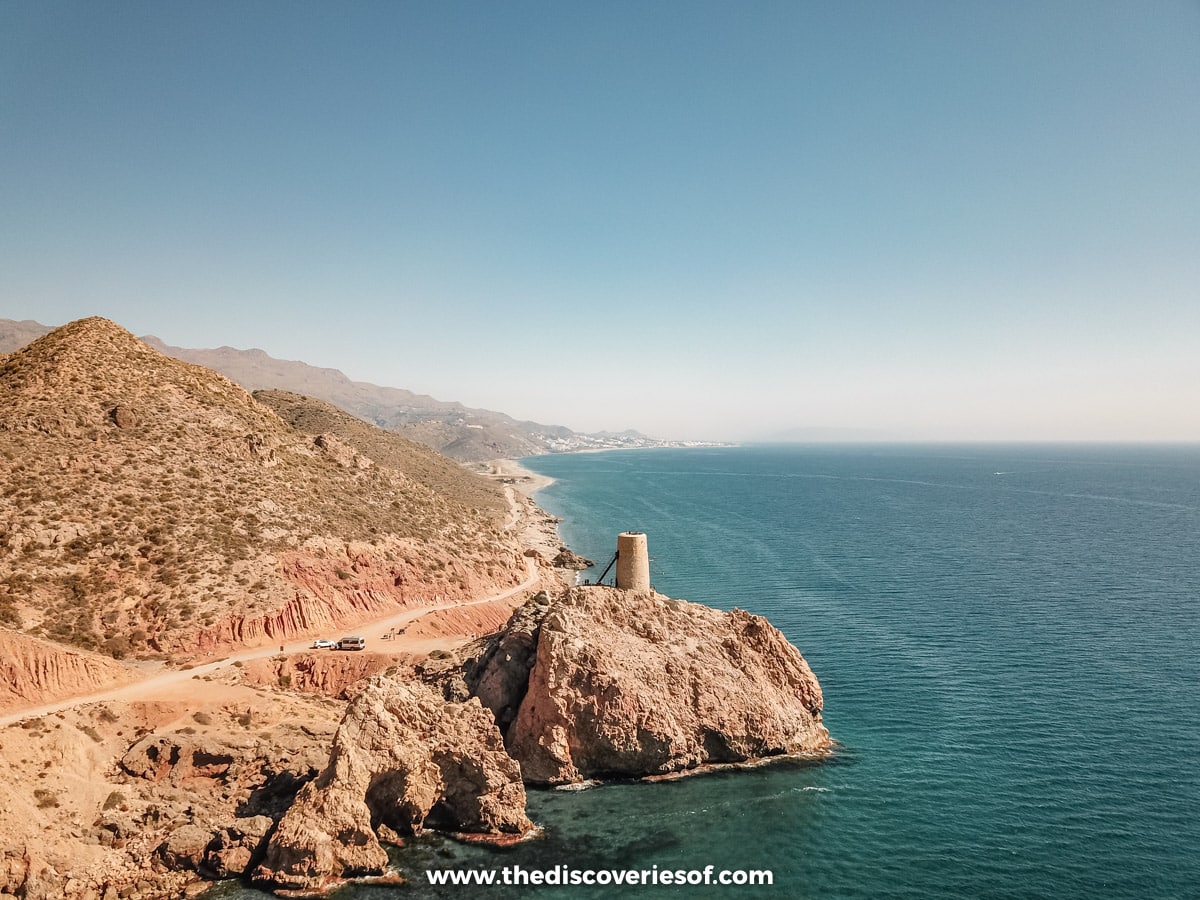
(169, 681)
(537, 531)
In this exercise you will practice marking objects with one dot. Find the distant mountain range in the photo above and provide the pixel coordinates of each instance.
(462, 433)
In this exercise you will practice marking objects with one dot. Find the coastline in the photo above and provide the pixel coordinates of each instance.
(529, 482)
(538, 528)
(511, 472)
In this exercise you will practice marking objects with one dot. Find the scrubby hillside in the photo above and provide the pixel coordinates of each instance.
(148, 504)
(455, 430)
(436, 472)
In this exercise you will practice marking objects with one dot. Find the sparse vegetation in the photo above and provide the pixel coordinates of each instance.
(115, 800)
(128, 540)
(45, 799)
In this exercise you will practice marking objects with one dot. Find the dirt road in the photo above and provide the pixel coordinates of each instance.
(168, 677)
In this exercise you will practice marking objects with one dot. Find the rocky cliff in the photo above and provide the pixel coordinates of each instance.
(601, 682)
(406, 759)
(340, 675)
(594, 683)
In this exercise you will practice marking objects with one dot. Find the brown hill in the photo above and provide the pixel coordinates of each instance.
(451, 428)
(448, 427)
(147, 504)
(436, 472)
(458, 431)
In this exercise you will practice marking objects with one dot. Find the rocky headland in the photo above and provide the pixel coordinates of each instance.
(596, 683)
(602, 683)
(403, 760)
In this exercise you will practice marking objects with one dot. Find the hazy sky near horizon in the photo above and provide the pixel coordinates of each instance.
(919, 220)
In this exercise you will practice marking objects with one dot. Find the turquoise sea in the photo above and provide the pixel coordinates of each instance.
(1008, 639)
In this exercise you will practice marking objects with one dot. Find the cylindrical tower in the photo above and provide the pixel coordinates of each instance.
(633, 561)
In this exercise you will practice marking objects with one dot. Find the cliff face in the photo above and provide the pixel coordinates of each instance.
(33, 671)
(334, 584)
(602, 682)
(340, 675)
(404, 758)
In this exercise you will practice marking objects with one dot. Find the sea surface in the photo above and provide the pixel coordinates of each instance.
(1008, 640)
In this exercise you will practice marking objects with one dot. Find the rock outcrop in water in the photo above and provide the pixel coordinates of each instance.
(404, 758)
(603, 682)
(595, 683)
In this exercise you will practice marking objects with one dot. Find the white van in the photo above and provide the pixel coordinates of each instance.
(352, 643)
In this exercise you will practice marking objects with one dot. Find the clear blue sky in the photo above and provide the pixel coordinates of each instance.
(942, 220)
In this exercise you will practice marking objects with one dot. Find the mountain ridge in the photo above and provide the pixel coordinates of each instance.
(150, 505)
(458, 431)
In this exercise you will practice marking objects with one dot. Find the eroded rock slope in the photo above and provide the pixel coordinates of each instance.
(602, 682)
(406, 759)
(594, 683)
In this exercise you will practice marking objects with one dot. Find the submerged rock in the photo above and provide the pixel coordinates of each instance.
(404, 758)
(604, 682)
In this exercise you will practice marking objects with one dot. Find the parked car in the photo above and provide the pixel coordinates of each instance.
(352, 643)
(323, 644)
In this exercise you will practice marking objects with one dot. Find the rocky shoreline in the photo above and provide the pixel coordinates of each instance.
(299, 791)
(592, 684)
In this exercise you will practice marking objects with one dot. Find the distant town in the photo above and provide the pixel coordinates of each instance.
(577, 442)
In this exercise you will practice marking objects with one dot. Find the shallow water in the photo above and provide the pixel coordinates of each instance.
(1007, 640)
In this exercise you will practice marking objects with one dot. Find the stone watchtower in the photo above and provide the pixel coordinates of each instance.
(633, 561)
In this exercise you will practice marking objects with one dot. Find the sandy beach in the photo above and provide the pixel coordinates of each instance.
(509, 471)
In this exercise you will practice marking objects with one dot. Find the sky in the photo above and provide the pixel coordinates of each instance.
(705, 220)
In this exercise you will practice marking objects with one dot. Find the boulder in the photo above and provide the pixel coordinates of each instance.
(406, 758)
(123, 417)
(184, 847)
(569, 559)
(175, 757)
(232, 850)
